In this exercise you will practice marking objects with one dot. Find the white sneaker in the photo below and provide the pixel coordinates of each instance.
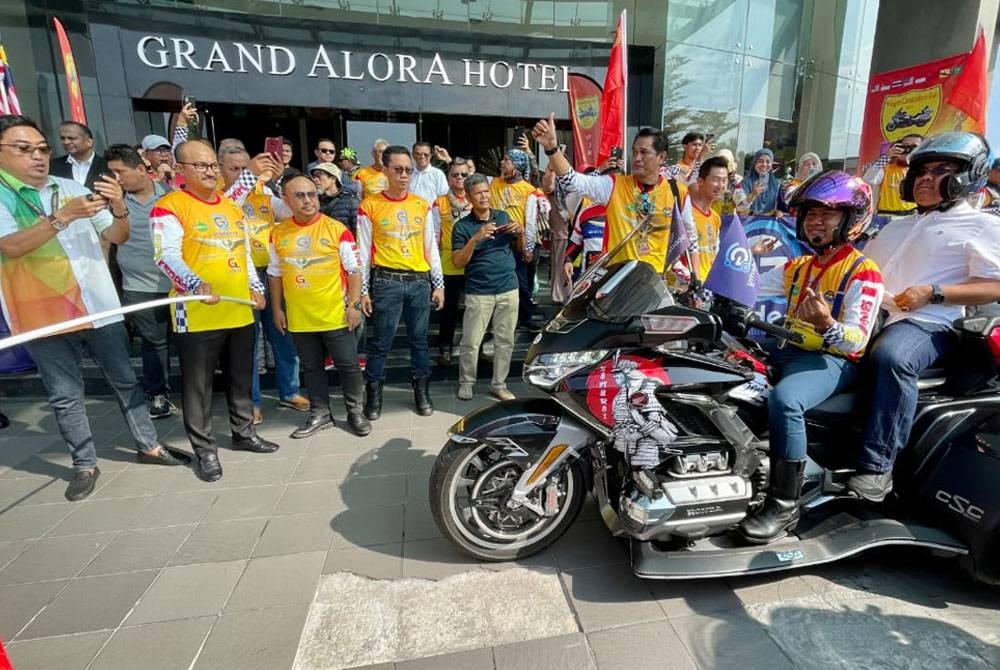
(502, 393)
(465, 391)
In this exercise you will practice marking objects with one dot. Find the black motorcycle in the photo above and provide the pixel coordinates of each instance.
(660, 410)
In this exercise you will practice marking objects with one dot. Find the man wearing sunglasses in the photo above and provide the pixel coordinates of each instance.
(934, 262)
(201, 244)
(52, 270)
(325, 152)
(401, 275)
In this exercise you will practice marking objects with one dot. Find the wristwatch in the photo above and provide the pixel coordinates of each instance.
(355, 305)
(56, 223)
(552, 151)
(937, 297)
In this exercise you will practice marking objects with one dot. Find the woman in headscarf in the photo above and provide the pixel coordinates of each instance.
(809, 164)
(760, 186)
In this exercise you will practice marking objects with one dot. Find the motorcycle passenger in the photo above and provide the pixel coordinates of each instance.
(833, 300)
(935, 262)
(630, 198)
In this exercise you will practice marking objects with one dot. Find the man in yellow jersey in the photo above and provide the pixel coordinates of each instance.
(372, 179)
(401, 274)
(511, 192)
(315, 277)
(448, 209)
(260, 209)
(886, 174)
(200, 242)
(631, 198)
(713, 177)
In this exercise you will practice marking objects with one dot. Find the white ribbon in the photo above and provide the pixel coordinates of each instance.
(63, 326)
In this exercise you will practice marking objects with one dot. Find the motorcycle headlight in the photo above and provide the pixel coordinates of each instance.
(546, 370)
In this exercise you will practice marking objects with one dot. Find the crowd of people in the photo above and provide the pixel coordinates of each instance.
(294, 265)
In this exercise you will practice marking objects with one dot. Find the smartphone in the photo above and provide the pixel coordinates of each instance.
(709, 137)
(616, 153)
(188, 100)
(274, 146)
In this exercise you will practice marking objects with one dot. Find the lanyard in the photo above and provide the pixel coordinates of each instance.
(35, 209)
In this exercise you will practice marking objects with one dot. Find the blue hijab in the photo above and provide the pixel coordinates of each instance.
(767, 201)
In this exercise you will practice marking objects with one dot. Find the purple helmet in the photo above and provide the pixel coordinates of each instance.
(838, 190)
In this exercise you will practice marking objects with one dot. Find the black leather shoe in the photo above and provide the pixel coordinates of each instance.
(312, 426)
(870, 486)
(82, 484)
(209, 468)
(373, 400)
(359, 424)
(422, 396)
(164, 457)
(780, 511)
(254, 443)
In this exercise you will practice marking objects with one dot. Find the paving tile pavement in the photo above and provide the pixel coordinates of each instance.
(160, 570)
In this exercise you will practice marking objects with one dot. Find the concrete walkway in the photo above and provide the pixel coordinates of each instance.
(324, 555)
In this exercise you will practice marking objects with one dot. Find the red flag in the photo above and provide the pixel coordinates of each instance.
(585, 112)
(970, 93)
(4, 661)
(613, 100)
(76, 111)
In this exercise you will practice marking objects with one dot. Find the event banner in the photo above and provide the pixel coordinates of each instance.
(926, 99)
(585, 112)
(782, 229)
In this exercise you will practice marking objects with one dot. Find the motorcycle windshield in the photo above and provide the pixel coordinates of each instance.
(618, 293)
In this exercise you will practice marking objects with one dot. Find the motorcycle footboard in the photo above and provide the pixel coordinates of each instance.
(832, 538)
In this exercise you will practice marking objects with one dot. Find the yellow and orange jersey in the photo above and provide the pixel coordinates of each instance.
(313, 261)
(369, 182)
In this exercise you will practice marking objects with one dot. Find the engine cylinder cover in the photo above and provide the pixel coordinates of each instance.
(713, 503)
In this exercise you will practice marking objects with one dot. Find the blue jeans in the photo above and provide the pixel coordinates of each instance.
(896, 359)
(153, 328)
(392, 299)
(807, 379)
(286, 360)
(58, 359)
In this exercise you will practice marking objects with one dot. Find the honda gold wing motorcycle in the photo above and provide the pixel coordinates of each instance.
(659, 409)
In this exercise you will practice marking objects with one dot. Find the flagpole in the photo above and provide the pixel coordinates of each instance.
(625, 154)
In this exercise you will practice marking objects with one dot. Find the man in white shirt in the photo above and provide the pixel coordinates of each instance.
(427, 181)
(934, 263)
(81, 163)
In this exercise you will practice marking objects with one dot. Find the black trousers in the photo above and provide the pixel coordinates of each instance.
(342, 346)
(453, 285)
(198, 355)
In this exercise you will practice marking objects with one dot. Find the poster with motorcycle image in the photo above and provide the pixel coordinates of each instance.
(915, 100)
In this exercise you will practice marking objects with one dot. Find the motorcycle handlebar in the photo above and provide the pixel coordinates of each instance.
(771, 329)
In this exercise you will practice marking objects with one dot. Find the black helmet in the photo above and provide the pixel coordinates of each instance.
(838, 190)
(970, 150)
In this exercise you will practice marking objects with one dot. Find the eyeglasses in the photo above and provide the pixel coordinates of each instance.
(939, 171)
(202, 167)
(402, 170)
(161, 150)
(460, 175)
(28, 149)
(327, 151)
(421, 154)
(305, 195)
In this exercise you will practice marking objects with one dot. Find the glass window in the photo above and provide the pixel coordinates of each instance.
(716, 24)
(774, 28)
(768, 88)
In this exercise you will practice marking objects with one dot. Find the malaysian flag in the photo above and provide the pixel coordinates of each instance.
(8, 95)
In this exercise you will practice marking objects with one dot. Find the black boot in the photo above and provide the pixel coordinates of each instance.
(373, 399)
(780, 511)
(422, 396)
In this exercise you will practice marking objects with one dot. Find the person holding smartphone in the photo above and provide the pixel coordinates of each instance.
(484, 243)
(886, 174)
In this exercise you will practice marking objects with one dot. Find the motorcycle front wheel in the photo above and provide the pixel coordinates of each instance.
(469, 489)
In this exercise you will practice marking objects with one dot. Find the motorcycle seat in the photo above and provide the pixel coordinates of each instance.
(842, 406)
